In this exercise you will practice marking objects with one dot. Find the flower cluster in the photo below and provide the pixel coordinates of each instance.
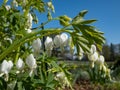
(94, 57)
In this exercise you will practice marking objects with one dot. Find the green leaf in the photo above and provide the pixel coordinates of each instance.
(88, 21)
(79, 17)
(82, 13)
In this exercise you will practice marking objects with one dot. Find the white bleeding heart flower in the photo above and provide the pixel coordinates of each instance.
(29, 21)
(6, 67)
(15, 3)
(93, 57)
(93, 49)
(60, 75)
(36, 47)
(31, 62)
(8, 7)
(50, 6)
(101, 59)
(62, 78)
(20, 64)
(28, 30)
(64, 39)
(61, 40)
(9, 39)
(57, 41)
(48, 43)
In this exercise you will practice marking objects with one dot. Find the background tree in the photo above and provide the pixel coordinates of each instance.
(106, 52)
(112, 52)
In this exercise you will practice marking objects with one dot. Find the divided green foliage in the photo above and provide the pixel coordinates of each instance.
(88, 32)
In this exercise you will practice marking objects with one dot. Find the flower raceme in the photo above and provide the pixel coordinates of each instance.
(93, 55)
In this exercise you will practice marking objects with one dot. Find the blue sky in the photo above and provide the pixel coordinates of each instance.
(107, 12)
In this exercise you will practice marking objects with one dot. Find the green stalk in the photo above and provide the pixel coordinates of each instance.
(17, 55)
(30, 37)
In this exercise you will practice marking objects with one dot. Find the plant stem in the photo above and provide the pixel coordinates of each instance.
(30, 37)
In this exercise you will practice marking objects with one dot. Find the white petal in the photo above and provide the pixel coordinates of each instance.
(31, 62)
(93, 49)
(37, 45)
(20, 64)
(29, 21)
(10, 63)
(48, 43)
(101, 59)
(64, 39)
(57, 41)
(93, 57)
(4, 67)
(28, 30)
(7, 7)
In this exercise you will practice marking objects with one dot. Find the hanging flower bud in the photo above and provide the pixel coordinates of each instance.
(104, 68)
(50, 6)
(29, 21)
(36, 47)
(65, 20)
(92, 64)
(108, 73)
(49, 16)
(64, 23)
(71, 45)
(31, 62)
(20, 64)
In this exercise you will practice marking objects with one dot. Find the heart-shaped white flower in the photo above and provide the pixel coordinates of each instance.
(5, 68)
(64, 39)
(101, 59)
(36, 47)
(31, 62)
(93, 49)
(29, 21)
(20, 64)
(93, 57)
(48, 43)
(57, 41)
